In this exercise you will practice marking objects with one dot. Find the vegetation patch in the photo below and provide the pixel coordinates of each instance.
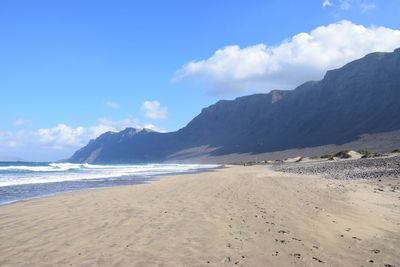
(344, 154)
(365, 152)
(300, 159)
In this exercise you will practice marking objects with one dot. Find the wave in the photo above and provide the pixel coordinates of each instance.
(63, 172)
(60, 167)
(52, 167)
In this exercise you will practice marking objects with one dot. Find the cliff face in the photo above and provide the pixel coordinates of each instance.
(362, 97)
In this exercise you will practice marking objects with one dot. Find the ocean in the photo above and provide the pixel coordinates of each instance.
(26, 180)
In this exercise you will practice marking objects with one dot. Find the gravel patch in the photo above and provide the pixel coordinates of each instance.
(365, 168)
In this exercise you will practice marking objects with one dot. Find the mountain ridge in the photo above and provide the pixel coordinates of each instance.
(362, 97)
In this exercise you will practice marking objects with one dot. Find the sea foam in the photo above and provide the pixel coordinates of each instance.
(36, 173)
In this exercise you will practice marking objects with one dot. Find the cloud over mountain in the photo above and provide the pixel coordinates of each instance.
(63, 135)
(154, 110)
(41, 144)
(303, 57)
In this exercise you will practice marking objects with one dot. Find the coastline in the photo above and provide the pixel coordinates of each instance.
(42, 184)
(52, 194)
(250, 216)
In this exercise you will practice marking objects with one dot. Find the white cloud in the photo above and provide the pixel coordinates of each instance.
(367, 6)
(351, 4)
(345, 4)
(304, 57)
(154, 110)
(154, 128)
(112, 104)
(10, 140)
(12, 144)
(60, 141)
(326, 3)
(119, 125)
(63, 135)
(21, 122)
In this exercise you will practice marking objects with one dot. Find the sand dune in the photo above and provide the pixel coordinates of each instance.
(249, 216)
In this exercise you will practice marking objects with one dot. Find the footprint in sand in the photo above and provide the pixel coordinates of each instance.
(226, 259)
(297, 255)
(320, 261)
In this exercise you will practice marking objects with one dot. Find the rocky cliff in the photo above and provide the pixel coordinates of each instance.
(362, 97)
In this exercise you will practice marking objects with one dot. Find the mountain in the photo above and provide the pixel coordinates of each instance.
(359, 101)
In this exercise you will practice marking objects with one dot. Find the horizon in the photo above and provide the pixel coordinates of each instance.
(72, 71)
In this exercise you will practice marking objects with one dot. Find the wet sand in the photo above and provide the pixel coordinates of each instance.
(246, 216)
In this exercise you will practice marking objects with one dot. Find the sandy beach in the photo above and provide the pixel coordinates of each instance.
(246, 216)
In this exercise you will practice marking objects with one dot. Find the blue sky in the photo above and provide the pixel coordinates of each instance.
(72, 69)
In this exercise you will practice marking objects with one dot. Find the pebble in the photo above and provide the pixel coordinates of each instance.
(367, 168)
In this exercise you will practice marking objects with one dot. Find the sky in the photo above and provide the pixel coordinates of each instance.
(73, 69)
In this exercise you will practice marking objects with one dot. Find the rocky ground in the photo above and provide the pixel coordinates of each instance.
(364, 168)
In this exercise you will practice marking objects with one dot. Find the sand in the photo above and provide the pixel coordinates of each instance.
(249, 216)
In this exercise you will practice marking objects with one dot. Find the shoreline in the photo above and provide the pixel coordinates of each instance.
(249, 216)
(153, 180)
(67, 186)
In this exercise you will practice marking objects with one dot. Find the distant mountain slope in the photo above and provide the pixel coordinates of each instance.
(362, 97)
